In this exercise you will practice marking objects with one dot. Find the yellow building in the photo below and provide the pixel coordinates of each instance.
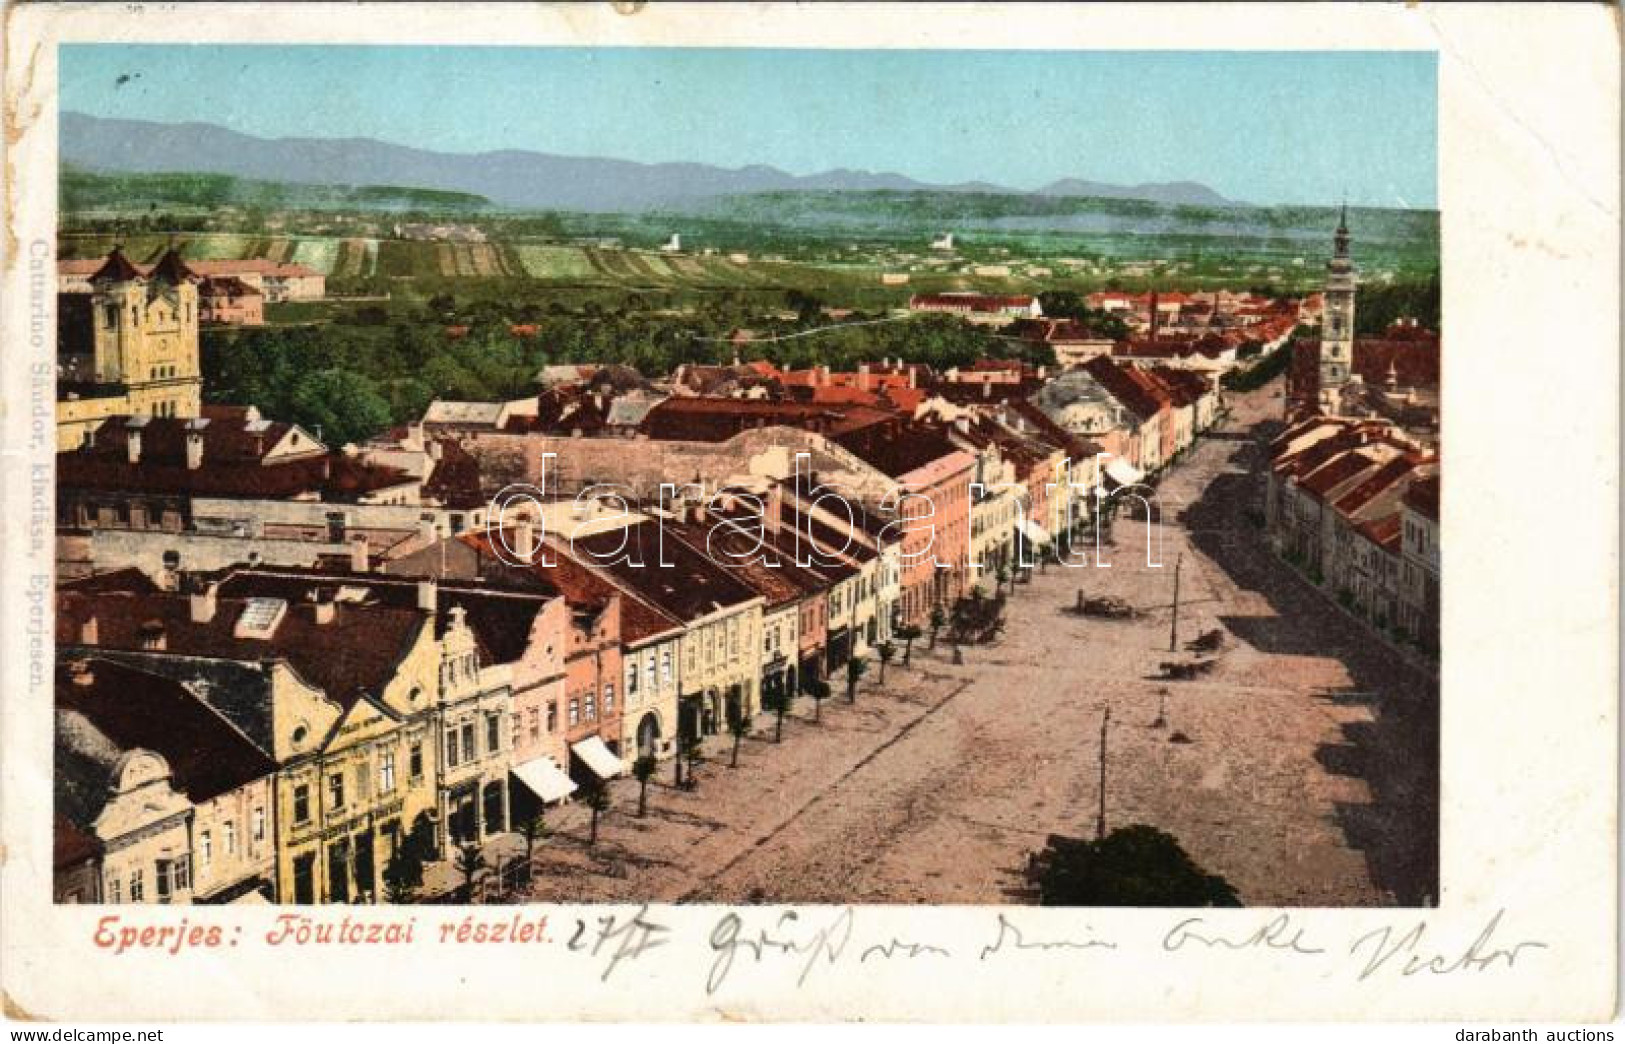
(129, 346)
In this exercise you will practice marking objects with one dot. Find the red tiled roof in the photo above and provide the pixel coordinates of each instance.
(896, 448)
(171, 269)
(1423, 497)
(356, 651)
(500, 618)
(234, 461)
(1337, 471)
(1384, 531)
(1381, 481)
(1119, 382)
(1415, 361)
(70, 845)
(971, 302)
(689, 587)
(579, 586)
(137, 709)
(455, 479)
(117, 269)
(718, 420)
(226, 286)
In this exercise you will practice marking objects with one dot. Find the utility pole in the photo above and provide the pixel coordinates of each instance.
(1173, 626)
(1100, 820)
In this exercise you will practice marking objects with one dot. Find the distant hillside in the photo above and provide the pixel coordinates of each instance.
(513, 178)
(86, 191)
(920, 213)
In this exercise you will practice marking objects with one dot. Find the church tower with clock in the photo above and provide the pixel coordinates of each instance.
(1337, 327)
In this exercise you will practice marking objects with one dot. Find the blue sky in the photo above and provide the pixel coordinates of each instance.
(1265, 127)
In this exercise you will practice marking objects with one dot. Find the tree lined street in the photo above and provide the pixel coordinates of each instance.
(1302, 767)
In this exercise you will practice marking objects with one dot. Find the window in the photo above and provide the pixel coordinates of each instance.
(665, 666)
(181, 870)
(649, 670)
(631, 678)
(363, 781)
(575, 712)
(386, 772)
(259, 824)
(415, 761)
(115, 890)
(451, 748)
(138, 892)
(335, 790)
(609, 697)
(468, 741)
(535, 720)
(592, 706)
(301, 803)
(553, 716)
(205, 851)
(493, 733)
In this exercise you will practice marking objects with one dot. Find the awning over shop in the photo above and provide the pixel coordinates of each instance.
(545, 779)
(1123, 473)
(596, 756)
(1036, 534)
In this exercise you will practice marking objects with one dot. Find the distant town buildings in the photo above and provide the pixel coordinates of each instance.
(994, 309)
(276, 280)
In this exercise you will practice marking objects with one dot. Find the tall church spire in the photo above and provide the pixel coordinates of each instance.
(1337, 326)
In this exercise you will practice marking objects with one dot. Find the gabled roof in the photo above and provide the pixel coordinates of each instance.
(236, 460)
(172, 270)
(355, 652)
(1122, 385)
(116, 269)
(1423, 497)
(500, 618)
(685, 584)
(898, 448)
(701, 419)
(137, 709)
(579, 585)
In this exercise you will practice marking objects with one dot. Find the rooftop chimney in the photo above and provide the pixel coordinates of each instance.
(428, 594)
(426, 530)
(773, 510)
(524, 540)
(89, 633)
(360, 555)
(324, 608)
(203, 603)
(194, 450)
(133, 443)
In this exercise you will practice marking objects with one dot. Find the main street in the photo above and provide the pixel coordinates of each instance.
(1303, 768)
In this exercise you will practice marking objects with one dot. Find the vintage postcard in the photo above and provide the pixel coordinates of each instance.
(927, 512)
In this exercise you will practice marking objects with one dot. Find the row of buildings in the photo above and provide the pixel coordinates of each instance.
(284, 666)
(1352, 488)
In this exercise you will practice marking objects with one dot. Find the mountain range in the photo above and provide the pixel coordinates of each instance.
(512, 178)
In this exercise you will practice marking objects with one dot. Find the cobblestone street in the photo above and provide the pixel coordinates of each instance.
(1303, 768)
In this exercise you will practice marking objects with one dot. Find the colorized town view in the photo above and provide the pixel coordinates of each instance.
(508, 475)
